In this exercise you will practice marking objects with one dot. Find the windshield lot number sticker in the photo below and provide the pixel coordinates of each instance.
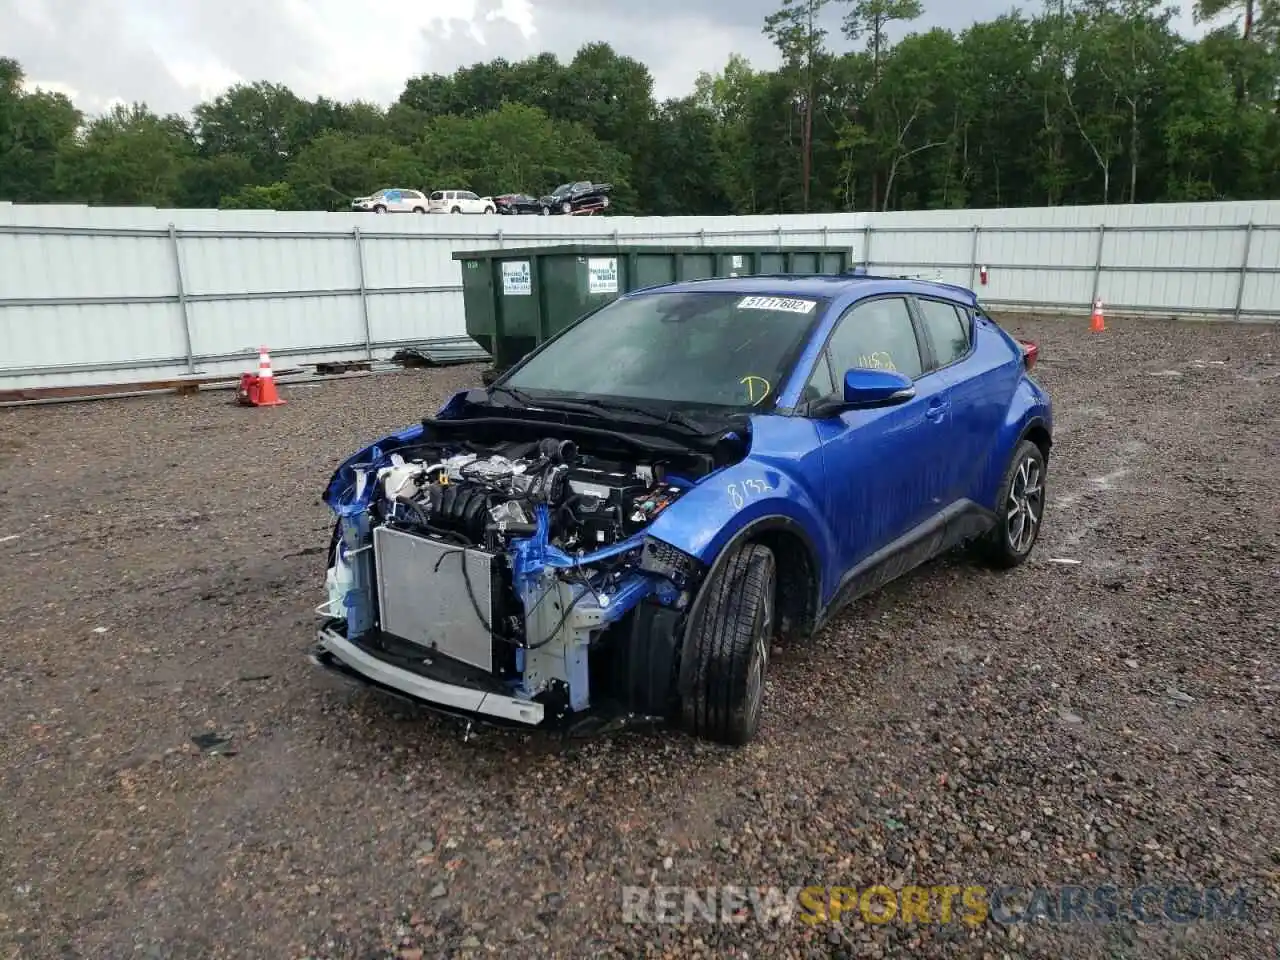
(785, 304)
(602, 275)
(740, 493)
(516, 280)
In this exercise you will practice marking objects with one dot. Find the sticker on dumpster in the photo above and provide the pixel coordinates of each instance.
(602, 275)
(516, 281)
(786, 304)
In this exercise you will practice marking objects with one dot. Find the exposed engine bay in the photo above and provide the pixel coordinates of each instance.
(518, 569)
(492, 498)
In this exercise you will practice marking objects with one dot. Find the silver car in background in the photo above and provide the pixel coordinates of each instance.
(391, 200)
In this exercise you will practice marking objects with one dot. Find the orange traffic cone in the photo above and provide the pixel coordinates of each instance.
(259, 389)
(1096, 323)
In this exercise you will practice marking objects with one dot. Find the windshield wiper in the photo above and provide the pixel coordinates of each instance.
(671, 416)
(598, 409)
(595, 407)
(517, 395)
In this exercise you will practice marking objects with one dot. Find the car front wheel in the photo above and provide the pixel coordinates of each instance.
(1019, 509)
(728, 649)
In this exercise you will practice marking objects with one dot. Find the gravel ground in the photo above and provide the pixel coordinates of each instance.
(1108, 722)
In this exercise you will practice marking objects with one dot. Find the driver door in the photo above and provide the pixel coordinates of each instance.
(883, 472)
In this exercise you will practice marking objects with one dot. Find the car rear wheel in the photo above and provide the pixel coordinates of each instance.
(456, 210)
(728, 649)
(419, 210)
(566, 207)
(1019, 511)
(490, 210)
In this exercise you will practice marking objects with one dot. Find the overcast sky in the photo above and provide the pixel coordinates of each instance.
(174, 53)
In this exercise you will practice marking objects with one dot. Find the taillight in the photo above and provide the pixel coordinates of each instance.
(1030, 353)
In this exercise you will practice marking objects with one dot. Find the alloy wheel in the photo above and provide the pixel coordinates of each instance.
(1025, 505)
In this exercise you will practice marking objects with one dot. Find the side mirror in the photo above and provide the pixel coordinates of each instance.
(866, 389)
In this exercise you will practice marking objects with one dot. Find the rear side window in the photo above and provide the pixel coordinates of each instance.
(876, 335)
(946, 329)
(438, 195)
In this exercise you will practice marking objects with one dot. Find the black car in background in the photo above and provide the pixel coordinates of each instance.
(513, 204)
(580, 197)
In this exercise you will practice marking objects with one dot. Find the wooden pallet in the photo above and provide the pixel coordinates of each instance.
(183, 386)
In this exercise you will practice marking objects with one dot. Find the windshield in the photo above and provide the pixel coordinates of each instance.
(562, 189)
(691, 350)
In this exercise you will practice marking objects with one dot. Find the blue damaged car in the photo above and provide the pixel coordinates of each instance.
(621, 526)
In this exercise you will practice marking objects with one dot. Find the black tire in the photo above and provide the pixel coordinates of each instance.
(419, 210)
(566, 207)
(379, 209)
(546, 211)
(456, 210)
(1006, 545)
(728, 649)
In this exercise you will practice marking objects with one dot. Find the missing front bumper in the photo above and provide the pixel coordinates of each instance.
(450, 696)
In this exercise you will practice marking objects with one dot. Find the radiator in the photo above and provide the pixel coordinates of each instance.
(423, 595)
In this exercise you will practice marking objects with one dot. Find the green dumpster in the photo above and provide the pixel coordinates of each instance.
(518, 297)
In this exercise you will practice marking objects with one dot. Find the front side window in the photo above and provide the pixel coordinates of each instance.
(724, 350)
(876, 335)
(820, 384)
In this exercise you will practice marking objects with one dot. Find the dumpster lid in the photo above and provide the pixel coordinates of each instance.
(619, 249)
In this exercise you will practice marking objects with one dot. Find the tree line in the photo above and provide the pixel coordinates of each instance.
(1089, 101)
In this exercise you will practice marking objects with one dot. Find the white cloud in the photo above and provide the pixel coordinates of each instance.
(174, 53)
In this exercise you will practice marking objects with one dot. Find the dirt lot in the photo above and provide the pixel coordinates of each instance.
(1109, 722)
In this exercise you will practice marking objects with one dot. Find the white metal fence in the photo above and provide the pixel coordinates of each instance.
(122, 295)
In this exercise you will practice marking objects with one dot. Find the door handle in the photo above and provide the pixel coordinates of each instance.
(936, 408)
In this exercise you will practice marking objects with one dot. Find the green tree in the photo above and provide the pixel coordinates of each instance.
(1087, 100)
(517, 148)
(33, 126)
(730, 97)
(336, 166)
(868, 20)
(795, 31)
(265, 123)
(270, 196)
(128, 156)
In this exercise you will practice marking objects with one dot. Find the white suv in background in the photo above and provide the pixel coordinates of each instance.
(460, 201)
(391, 200)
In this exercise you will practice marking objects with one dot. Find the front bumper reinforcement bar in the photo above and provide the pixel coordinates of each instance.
(423, 688)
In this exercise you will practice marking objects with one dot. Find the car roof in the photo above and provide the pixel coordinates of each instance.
(823, 286)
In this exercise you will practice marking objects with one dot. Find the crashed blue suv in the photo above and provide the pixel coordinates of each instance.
(621, 526)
